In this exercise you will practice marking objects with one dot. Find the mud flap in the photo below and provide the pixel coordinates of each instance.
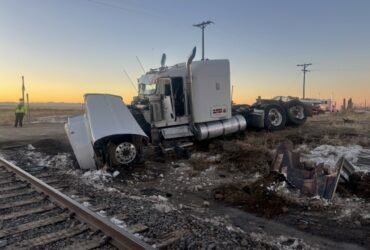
(255, 118)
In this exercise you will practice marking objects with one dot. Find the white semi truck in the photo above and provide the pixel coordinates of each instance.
(175, 107)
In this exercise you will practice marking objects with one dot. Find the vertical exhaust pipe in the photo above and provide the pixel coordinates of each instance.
(189, 84)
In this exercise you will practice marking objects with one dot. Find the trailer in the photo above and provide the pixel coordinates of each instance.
(175, 107)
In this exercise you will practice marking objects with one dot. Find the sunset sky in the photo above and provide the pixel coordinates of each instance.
(71, 47)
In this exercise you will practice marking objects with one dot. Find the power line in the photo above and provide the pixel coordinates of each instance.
(304, 69)
(132, 83)
(202, 26)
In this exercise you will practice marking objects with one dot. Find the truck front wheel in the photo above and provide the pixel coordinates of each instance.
(275, 117)
(123, 153)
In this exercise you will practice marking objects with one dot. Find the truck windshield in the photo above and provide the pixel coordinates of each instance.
(147, 89)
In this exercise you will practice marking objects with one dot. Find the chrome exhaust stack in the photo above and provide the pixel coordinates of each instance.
(189, 83)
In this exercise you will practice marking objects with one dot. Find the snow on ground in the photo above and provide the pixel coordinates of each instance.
(281, 242)
(61, 160)
(97, 176)
(118, 222)
(329, 155)
(206, 157)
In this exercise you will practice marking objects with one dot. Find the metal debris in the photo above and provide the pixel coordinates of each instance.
(311, 178)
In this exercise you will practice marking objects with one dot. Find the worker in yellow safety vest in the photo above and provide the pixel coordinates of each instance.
(20, 112)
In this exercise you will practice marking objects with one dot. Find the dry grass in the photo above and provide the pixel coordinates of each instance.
(7, 112)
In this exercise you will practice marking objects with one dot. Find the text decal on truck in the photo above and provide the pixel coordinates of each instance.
(218, 111)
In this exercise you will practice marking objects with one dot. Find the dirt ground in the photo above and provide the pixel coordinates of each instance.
(230, 177)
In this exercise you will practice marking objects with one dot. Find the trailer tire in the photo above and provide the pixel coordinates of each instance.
(275, 117)
(296, 112)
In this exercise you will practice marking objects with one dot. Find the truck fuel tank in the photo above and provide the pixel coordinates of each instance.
(208, 130)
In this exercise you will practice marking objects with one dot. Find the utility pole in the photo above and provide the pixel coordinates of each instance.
(28, 108)
(304, 69)
(202, 26)
(23, 89)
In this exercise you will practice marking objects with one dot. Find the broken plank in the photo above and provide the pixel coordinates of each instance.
(51, 181)
(167, 239)
(81, 199)
(32, 225)
(60, 185)
(28, 212)
(100, 207)
(137, 228)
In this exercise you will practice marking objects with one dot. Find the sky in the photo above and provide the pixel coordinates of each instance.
(67, 48)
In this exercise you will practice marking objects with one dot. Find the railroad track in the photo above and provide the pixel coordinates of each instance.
(35, 215)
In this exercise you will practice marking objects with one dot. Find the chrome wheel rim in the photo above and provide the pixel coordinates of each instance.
(125, 153)
(297, 112)
(275, 117)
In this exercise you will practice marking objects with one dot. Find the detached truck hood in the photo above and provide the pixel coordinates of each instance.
(105, 116)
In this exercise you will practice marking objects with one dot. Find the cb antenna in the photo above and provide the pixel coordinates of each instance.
(202, 26)
(129, 78)
(141, 65)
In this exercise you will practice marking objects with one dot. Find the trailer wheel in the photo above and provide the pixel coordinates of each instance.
(296, 112)
(123, 153)
(275, 117)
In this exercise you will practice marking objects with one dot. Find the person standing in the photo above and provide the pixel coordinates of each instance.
(20, 112)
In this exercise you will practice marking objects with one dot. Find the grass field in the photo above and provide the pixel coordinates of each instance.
(37, 111)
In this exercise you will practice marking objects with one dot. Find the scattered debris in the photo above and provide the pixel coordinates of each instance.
(311, 178)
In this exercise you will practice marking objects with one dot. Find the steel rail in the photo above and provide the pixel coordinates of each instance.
(116, 235)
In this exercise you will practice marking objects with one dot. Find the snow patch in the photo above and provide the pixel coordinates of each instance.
(102, 213)
(206, 157)
(329, 155)
(164, 207)
(97, 176)
(116, 173)
(281, 241)
(86, 204)
(118, 222)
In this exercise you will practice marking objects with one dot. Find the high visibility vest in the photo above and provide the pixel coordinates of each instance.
(20, 109)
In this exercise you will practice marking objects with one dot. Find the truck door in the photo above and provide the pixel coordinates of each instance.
(178, 96)
(167, 99)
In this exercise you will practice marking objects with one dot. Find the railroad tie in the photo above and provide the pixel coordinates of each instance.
(28, 212)
(14, 187)
(32, 225)
(16, 193)
(49, 238)
(85, 244)
(21, 202)
(8, 180)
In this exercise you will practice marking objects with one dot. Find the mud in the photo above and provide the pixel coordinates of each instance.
(256, 197)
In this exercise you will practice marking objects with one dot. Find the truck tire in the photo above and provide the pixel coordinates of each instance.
(296, 113)
(122, 153)
(275, 117)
